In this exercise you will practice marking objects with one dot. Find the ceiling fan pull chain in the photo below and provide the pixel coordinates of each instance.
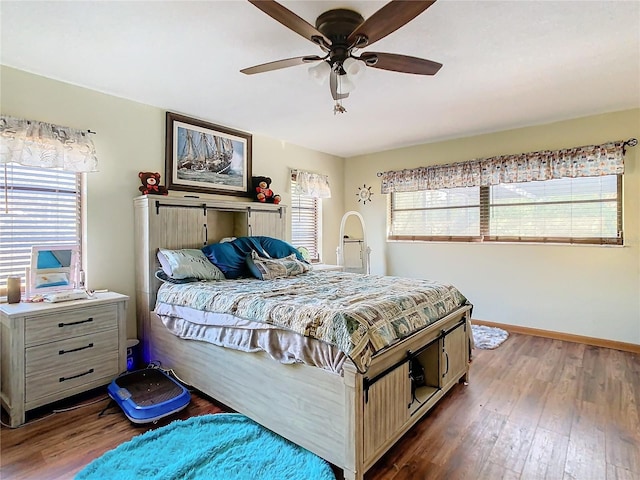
(338, 107)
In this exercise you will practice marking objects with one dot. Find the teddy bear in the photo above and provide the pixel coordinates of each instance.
(151, 184)
(262, 192)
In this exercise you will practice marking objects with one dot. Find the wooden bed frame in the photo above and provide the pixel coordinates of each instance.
(350, 420)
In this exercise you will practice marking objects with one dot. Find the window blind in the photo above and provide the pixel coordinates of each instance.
(305, 222)
(567, 210)
(39, 207)
(447, 214)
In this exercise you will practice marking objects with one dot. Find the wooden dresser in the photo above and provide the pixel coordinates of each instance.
(50, 351)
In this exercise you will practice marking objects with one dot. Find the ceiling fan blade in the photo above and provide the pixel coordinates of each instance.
(388, 19)
(292, 21)
(333, 85)
(278, 64)
(400, 63)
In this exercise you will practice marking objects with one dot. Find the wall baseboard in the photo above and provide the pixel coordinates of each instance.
(567, 337)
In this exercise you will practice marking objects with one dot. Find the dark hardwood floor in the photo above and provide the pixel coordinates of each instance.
(535, 409)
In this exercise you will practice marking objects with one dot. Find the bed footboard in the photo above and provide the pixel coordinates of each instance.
(349, 420)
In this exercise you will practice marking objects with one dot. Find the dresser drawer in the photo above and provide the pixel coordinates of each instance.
(51, 382)
(74, 351)
(71, 323)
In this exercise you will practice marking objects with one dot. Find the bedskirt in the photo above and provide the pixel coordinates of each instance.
(281, 345)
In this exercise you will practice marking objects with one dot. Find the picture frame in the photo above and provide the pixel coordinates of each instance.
(206, 158)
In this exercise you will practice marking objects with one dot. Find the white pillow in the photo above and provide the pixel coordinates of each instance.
(188, 263)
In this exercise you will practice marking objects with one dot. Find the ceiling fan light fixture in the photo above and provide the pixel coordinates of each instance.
(320, 72)
(339, 33)
(354, 68)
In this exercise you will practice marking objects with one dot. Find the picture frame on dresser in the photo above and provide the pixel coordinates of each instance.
(206, 158)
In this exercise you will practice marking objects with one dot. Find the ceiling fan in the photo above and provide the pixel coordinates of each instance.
(340, 33)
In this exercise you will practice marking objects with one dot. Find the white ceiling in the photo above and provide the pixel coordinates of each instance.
(506, 64)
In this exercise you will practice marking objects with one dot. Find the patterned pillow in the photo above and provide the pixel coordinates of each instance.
(271, 268)
(188, 263)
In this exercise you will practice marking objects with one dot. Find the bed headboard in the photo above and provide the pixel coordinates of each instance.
(177, 222)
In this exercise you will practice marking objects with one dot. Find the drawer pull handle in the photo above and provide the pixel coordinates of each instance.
(90, 319)
(62, 352)
(62, 379)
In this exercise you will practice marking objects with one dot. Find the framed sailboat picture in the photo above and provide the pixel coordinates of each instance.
(206, 158)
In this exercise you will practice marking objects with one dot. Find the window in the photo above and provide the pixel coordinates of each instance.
(566, 210)
(448, 214)
(39, 207)
(305, 222)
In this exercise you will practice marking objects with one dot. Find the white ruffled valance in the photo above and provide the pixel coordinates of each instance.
(39, 144)
(587, 161)
(311, 184)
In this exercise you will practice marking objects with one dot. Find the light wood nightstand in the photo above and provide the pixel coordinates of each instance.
(51, 351)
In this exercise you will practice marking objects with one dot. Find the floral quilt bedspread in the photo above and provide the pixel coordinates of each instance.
(359, 314)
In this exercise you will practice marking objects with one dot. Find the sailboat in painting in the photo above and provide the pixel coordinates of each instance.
(205, 153)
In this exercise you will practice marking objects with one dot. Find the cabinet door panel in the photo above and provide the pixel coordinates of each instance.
(268, 224)
(386, 410)
(176, 227)
(454, 354)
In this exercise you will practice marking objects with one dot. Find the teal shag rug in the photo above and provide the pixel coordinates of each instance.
(225, 446)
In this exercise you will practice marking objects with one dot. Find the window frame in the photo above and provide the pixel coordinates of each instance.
(484, 236)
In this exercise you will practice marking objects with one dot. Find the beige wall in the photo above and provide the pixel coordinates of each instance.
(130, 138)
(584, 290)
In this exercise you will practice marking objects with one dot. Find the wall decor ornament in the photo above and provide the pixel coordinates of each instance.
(364, 194)
(206, 158)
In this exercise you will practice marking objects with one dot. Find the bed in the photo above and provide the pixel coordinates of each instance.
(348, 404)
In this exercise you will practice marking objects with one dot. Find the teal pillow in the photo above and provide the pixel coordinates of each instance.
(229, 257)
(267, 247)
(188, 263)
(277, 248)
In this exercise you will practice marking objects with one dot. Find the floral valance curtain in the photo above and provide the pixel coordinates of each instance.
(39, 144)
(587, 161)
(311, 184)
